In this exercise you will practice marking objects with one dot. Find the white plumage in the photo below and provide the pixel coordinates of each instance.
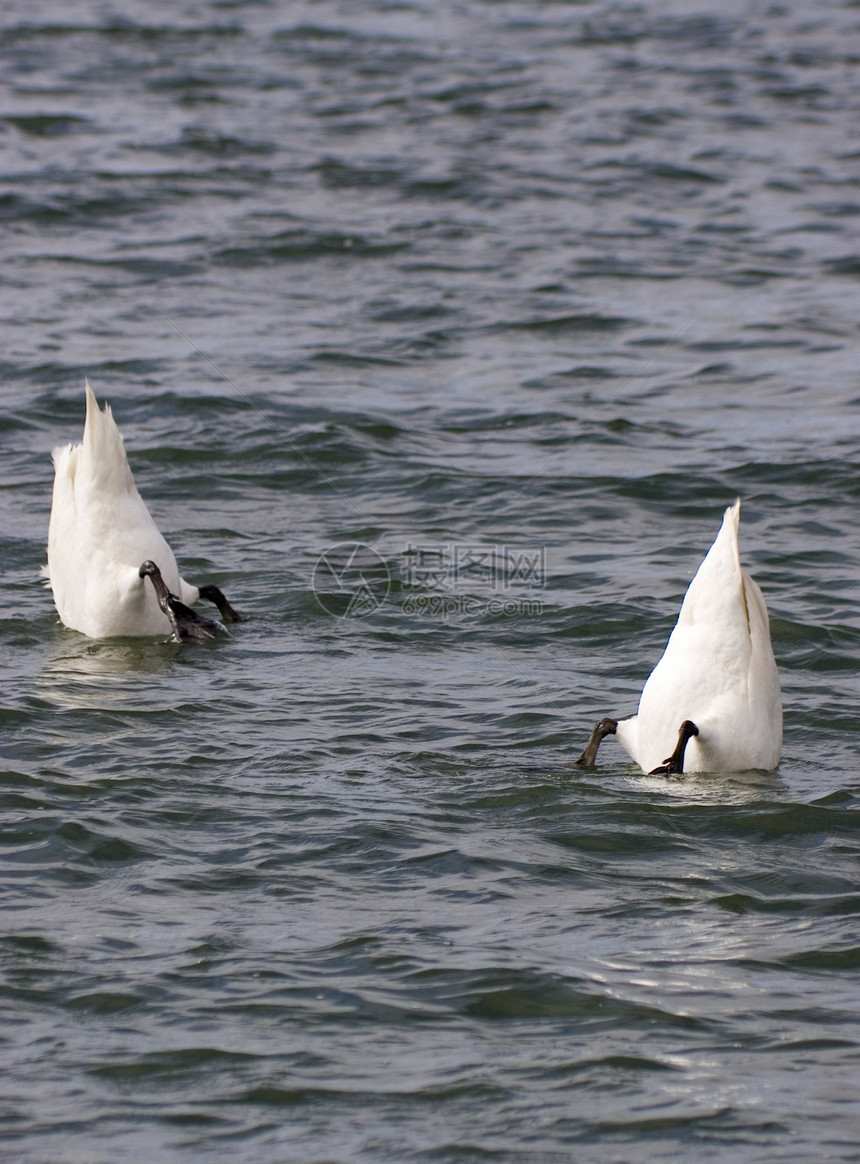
(100, 533)
(718, 671)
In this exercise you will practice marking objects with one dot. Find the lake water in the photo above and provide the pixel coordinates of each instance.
(507, 301)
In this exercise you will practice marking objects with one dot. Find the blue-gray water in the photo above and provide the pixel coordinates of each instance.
(554, 279)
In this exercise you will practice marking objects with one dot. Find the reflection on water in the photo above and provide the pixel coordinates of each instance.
(715, 787)
(82, 673)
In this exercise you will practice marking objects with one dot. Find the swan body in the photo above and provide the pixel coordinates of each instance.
(99, 534)
(717, 672)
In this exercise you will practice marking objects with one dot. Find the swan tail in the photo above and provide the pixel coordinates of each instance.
(714, 620)
(104, 449)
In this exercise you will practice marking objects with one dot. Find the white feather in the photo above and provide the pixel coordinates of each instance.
(99, 534)
(718, 670)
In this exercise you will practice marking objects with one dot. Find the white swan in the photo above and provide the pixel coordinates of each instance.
(99, 537)
(712, 703)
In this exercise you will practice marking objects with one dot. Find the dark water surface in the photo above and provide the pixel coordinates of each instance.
(520, 296)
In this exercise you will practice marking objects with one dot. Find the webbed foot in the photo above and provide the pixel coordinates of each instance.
(604, 727)
(674, 764)
(213, 594)
(188, 626)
